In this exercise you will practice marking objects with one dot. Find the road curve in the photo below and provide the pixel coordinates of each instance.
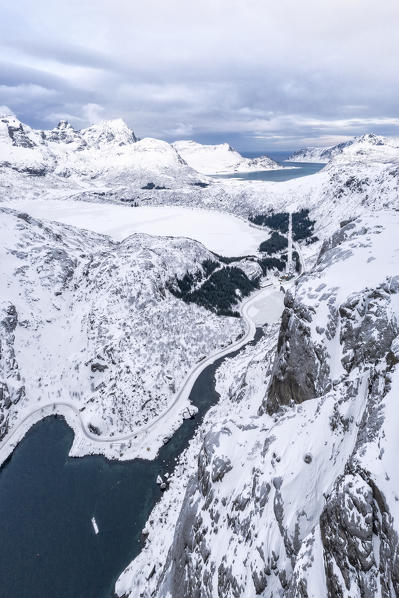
(21, 428)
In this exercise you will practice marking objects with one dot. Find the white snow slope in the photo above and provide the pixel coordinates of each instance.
(220, 159)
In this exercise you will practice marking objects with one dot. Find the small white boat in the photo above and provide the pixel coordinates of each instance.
(95, 526)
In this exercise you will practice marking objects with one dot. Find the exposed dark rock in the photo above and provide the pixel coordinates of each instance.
(98, 367)
(367, 329)
(19, 136)
(354, 513)
(11, 319)
(300, 371)
(94, 430)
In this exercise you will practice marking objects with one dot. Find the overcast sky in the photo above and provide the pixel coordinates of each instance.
(261, 74)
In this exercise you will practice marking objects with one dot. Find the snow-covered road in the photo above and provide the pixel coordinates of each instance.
(141, 436)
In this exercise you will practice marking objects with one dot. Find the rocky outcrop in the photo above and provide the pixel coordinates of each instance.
(300, 371)
(12, 390)
(359, 540)
(367, 327)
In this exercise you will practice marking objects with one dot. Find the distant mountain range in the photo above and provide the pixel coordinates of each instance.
(325, 154)
(108, 150)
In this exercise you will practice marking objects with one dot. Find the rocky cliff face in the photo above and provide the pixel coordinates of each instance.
(300, 370)
(295, 491)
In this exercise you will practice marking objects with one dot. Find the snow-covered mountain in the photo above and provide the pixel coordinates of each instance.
(364, 175)
(107, 334)
(220, 159)
(295, 488)
(107, 152)
(289, 487)
(325, 154)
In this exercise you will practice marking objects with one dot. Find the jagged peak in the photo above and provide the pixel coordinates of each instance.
(109, 131)
(10, 119)
(371, 138)
(64, 124)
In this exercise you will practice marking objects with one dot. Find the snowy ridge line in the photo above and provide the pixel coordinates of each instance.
(175, 410)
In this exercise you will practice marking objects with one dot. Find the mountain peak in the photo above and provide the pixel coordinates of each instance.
(64, 124)
(62, 133)
(371, 138)
(113, 131)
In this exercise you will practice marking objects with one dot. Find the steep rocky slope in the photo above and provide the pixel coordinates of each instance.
(295, 489)
(220, 159)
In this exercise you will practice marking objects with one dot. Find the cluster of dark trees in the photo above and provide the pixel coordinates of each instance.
(218, 292)
(274, 244)
(131, 202)
(271, 263)
(200, 184)
(150, 186)
(209, 266)
(302, 225)
(274, 263)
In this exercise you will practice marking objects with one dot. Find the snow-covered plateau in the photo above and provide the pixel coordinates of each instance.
(289, 487)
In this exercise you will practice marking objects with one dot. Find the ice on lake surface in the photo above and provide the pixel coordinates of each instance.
(224, 234)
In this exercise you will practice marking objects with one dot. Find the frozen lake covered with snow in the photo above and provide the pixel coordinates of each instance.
(224, 234)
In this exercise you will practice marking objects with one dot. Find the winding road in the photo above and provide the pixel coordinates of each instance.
(179, 404)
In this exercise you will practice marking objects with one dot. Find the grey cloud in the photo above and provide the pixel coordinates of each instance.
(251, 73)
